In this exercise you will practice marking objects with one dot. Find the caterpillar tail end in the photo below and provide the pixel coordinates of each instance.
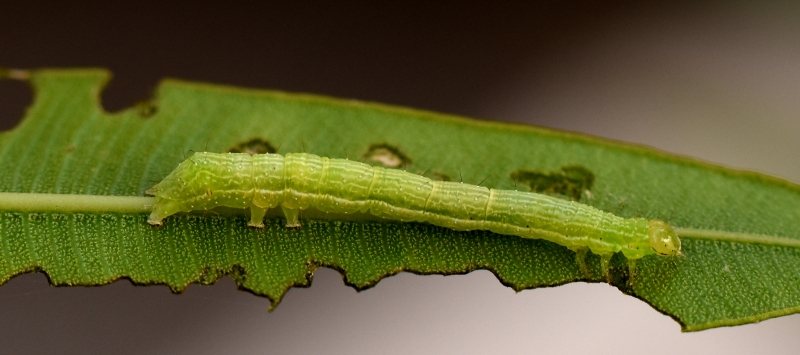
(154, 222)
(161, 210)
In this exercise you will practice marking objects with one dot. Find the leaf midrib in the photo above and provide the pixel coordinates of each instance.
(68, 203)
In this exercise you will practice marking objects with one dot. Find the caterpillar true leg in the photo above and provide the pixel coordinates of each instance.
(257, 216)
(291, 217)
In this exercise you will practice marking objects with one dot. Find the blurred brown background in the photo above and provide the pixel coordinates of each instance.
(717, 81)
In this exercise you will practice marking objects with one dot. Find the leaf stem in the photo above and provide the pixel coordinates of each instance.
(35, 202)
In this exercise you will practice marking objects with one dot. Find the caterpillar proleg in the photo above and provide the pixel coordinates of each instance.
(301, 180)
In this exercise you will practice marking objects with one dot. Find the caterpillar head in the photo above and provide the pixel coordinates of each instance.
(663, 239)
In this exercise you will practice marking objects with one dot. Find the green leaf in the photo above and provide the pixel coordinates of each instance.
(740, 230)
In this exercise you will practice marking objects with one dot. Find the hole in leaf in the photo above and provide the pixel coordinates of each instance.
(571, 181)
(146, 108)
(15, 97)
(440, 176)
(253, 146)
(387, 155)
(123, 93)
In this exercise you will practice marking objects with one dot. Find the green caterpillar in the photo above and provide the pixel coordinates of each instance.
(301, 180)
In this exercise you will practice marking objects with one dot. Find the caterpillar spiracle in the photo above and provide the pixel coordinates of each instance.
(299, 181)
